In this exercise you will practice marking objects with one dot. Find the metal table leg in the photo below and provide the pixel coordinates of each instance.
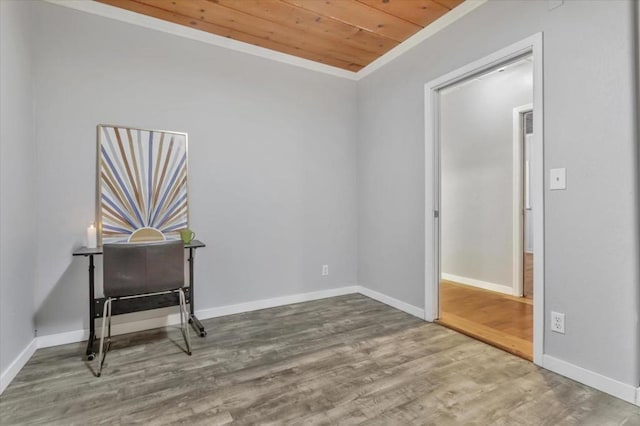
(92, 329)
(193, 320)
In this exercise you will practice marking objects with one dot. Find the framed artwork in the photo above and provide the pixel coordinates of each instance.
(142, 182)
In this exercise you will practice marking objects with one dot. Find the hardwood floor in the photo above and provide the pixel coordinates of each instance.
(343, 360)
(528, 276)
(498, 319)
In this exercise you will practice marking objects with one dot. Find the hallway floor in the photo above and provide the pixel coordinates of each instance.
(528, 276)
(494, 318)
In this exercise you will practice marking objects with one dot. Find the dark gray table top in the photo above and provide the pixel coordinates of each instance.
(86, 251)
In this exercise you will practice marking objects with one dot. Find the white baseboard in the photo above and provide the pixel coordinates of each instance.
(174, 318)
(62, 338)
(273, 302)
(116, 329)
(394, 303)
(638, 396)
(500, 288)
(595, 380)
(14, 368)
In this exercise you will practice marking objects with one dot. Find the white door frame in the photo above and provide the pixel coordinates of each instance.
(531, 45)
(518, 198)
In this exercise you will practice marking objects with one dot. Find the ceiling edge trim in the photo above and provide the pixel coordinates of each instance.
(127, 16)
(431, 29)
(149, 22)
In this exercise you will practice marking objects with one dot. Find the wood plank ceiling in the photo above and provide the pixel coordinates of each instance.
(348, 34)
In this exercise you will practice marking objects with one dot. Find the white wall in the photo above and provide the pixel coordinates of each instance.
(476, 134)
(271, 159)
(17, 183)
(591, 234)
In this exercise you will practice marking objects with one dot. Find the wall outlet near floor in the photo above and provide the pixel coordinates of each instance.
(325, 270)
(557, 322)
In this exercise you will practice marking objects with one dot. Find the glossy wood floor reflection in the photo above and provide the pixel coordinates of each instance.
(498, 319)
(345, 360)
(528, 276)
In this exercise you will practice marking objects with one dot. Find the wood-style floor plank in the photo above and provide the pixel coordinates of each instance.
(346, 360)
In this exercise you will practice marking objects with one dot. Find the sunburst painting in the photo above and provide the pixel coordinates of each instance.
(142, 182)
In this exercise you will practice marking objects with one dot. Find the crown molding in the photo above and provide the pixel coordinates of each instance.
(144, 21)
(428, 31)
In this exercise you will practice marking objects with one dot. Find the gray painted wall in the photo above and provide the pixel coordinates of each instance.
(272, 159)
(17, 182)
(591, 235)
(476, 131)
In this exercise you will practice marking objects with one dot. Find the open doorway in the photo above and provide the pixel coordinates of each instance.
(487, 203)
(483, 196)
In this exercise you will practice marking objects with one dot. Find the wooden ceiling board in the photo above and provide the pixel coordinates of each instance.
(362, 16)
(305, 20)
(348, 34)
(419, 12)
(214, 13)
(229, 33)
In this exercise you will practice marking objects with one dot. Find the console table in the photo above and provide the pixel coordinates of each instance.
(139, 304)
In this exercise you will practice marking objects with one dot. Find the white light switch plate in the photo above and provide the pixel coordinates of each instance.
(557, 179)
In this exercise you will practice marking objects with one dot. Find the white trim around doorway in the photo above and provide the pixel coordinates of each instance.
(532, 45)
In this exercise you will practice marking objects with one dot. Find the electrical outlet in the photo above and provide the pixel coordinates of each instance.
(557, 322)
(325, 270)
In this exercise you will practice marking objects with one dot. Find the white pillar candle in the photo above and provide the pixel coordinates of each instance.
(92, 240)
